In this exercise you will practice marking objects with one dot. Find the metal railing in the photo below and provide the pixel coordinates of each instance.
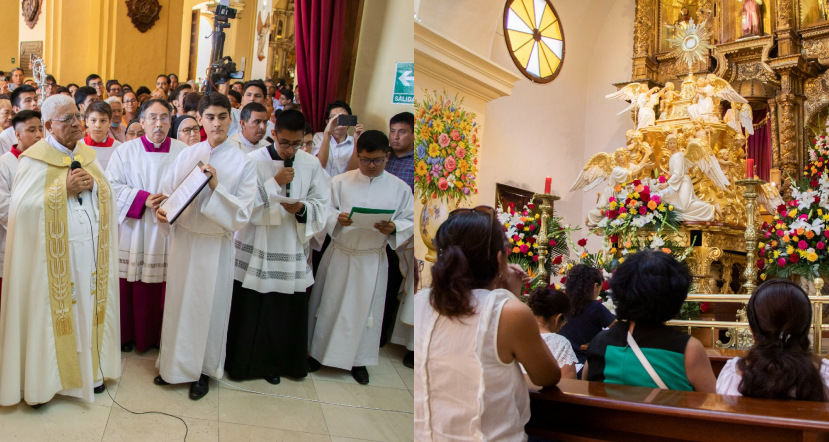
(740, 326)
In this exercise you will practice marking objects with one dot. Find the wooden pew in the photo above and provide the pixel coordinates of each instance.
(580, 411)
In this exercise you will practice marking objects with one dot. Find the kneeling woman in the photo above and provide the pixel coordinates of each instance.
(471, 334)
(780, 365)
(648, 289)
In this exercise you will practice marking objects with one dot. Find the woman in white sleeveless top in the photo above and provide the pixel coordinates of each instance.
(471, 334)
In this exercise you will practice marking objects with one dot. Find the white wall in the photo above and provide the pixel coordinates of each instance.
(552, 129)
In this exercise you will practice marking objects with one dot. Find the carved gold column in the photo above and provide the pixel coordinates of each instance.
(699, 263)
(788, 42)
(644, 35)
(787, 149)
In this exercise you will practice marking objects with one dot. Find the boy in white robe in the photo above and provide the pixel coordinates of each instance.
(253, 119)
(267, 334)
(29, 130)
(346, 311)
(135, 171)
(59, 327)
(200, 278)
(98, 117)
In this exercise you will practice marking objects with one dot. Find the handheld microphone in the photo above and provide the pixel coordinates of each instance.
(288, 163)
(73, 166)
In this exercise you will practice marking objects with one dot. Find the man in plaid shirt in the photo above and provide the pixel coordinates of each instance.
(401, 165)
(401, 137)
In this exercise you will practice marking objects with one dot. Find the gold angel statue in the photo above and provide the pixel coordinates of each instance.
(616, 169)
(769, 197)
(642, 102)
(708, 88)
(679, 189)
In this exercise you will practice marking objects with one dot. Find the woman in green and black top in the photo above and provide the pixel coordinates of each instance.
(648, 289)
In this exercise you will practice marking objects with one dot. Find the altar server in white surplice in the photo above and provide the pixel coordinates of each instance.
(267, 334)
(135, 170)
(59, 328)
(28, 130)
(200, 277)
(253, 120)
(346, 311)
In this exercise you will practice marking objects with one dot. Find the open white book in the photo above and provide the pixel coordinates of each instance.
(186, 192)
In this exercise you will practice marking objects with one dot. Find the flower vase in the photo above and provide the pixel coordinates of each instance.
(435, 212)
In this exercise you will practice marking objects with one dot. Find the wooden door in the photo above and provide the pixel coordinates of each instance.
(194, 45)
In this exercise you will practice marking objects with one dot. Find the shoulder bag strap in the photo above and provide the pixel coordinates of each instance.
(272, 152)
(645, 363)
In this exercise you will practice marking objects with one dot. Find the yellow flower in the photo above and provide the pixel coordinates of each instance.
(506, 225)
(463, 166)
(621, 260)
(671, 208)
(422, 168)
(812, 257)
(561, 271)
(661, 207)
(820, 212)
(434, 150)
(536, 216)
(511, 240)
(623, 215)
(529, 253)
(613, 205)
(776, 217)
(583, 255)
(761, 245)
(459, 184)
(789, 250)
(777, 253)
(636, 195)
(792, 213)
(558, 286)
(520, 243)
(763, 276)
(795, 239)
(613, 250)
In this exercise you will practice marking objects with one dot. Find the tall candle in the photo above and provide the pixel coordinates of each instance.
(750, 168)
(548, 183)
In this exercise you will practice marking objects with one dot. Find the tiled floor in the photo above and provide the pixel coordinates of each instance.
(226, 414)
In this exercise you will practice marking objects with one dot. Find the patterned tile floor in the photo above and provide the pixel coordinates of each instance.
(226, 414)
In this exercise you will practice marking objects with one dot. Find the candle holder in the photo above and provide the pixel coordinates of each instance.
(546, 208)
(744, 337)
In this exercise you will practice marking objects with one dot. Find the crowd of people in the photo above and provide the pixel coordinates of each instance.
(266, 273)
(475, 337)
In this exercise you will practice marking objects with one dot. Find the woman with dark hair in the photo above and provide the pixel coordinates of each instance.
(131, 105)
(550, 308)
(780, 365)
(648, 290)
(587, 315)
(471, 334)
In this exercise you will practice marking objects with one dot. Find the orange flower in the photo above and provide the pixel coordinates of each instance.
(786, 238)
(618, 188)
(640, 188)
(810, 234)
(666, 250)
(651, 205)
(800, 231)
(516, 250)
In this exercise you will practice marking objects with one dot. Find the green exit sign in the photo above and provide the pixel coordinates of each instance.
(12, 60)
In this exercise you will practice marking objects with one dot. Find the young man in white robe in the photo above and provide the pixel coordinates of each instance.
(267, 334)
(135, 171)
(59, 328)
(22, 98)
(346, 311)
(254, 121)
(28, 129)
(200, 278)
(98, 116)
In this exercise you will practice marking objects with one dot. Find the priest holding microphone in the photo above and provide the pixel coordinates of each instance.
(59, 321)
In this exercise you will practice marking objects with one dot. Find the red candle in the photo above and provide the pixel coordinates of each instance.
(749, 168)
(548, 183)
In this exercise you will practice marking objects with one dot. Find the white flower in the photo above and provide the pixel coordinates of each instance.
(657, 243)
(609, 305)
(603, 223)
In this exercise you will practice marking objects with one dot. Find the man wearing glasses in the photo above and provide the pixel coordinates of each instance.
(59, 269)
(268, 330)
(23, 98)
(136, 169)
(347, 301)
(94, 81)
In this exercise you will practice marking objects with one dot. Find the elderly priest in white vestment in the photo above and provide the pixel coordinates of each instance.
(59, 323)
(346, 310)
(200, 275)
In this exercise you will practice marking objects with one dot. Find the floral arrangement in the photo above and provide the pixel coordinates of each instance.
(446, 139)
(637, 205)
(522, 228)
(795, 243)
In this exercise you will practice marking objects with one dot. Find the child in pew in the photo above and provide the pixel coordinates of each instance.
(549, 307)
(780, 365)
(648, 290)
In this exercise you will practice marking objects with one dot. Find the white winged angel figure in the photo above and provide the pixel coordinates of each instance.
(709, 87)
(616, 169)
(679, 189)
(642, 101)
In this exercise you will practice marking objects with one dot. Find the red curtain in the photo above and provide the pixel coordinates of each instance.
(319, 40)
(759, 145)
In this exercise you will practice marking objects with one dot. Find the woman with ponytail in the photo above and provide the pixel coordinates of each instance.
(471, 334)
(780, 365)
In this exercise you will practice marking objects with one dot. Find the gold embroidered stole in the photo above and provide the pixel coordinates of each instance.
(57, 257)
